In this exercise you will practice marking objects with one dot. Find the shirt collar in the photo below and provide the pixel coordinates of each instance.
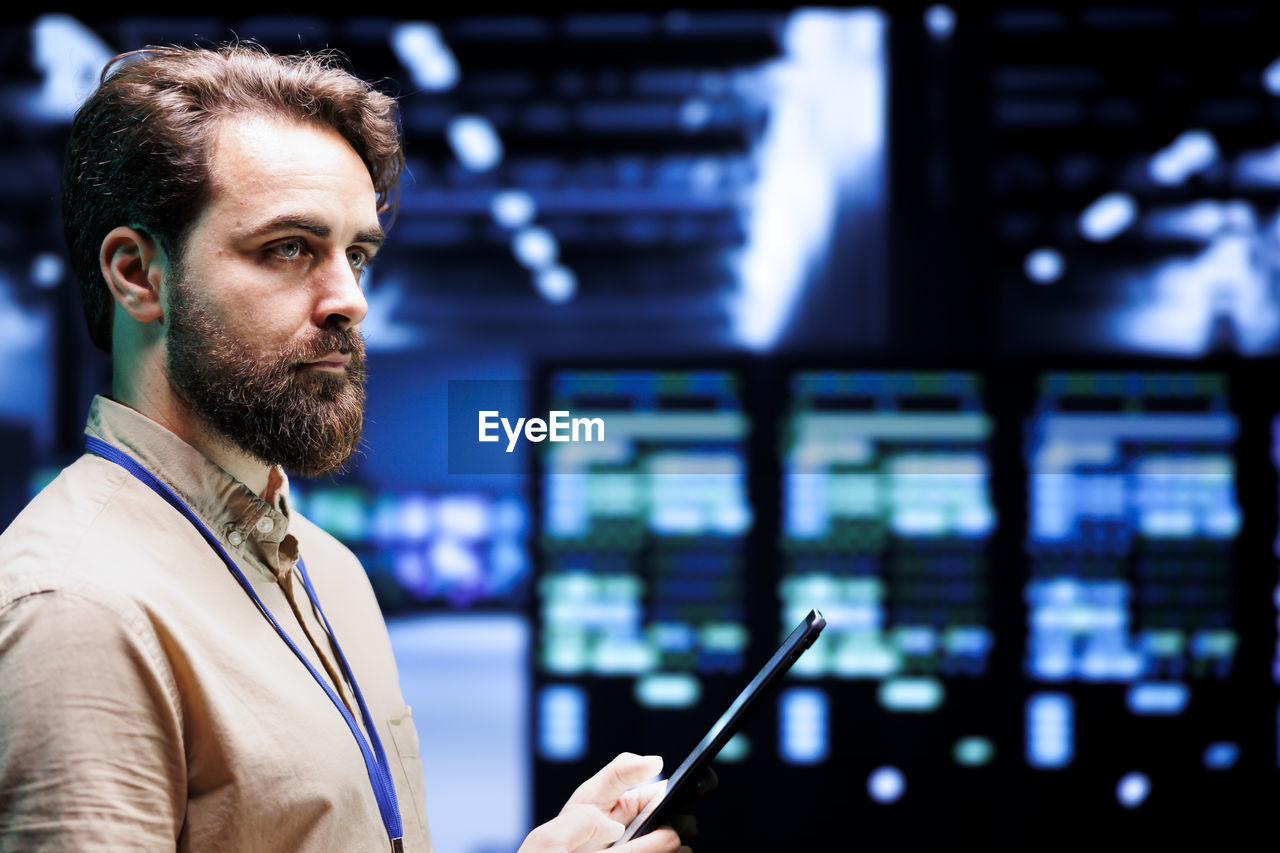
(235, 513)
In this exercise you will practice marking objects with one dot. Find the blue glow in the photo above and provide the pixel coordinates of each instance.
(737, 749)
(1259, 168)
(382, 330)
(825, 132)
(474, 142)
(1200, 220)
(1192, 152)
(557, 284)
(911, 694)
(694, 114)
(1050, 730)
(47, 269)
(1222, 288)
(668, 690)
(416, 518)
(1108, 216)
(973, 751)
(872, 458)
(535, 247)
(513, 208)
(562, 722)
(71, 57)
(940, 21)
(1271, 77)
(422, 51)
(803, 725)
(886, 785)
(466, 517)
(1162, 699)
(1221, 755)
(667, 472)
(1044, 266)
(1133, 789)
(509, 517)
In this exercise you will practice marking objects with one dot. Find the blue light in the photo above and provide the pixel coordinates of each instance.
(940, 21)
(1221, 755)
(475, 143)
(463, 516)
(886, 785)
(668, 690)
(46, 270)
(1044, 266)
(513, 208)
(1132, 789)
(825, 132)
(1193, 151)
(416, 518)
(911, 694)
(1259, 168)
(562, 722)
(1162, 699)
(1050, 730)
(422, 51)
(1108, 216)
(973, 751)
(1199, 220)
(803, 725)
(71, 57)
(1271, 77)
(535, 247)
(694, 114)
(557, 284)
(453, 564)
(737, 749)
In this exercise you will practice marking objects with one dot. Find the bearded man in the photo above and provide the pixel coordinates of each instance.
(185, 662)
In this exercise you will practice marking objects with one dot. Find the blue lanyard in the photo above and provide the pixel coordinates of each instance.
(375, 759)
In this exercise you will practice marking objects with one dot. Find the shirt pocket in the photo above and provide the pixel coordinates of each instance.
(405, 737)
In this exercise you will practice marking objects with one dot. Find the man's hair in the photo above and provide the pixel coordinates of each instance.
(141, 145)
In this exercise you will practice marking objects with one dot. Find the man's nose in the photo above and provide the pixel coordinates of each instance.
(341, 301)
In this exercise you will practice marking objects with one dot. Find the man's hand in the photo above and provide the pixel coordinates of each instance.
(598, 812)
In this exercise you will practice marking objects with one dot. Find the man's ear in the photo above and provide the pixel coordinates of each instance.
(134, 268)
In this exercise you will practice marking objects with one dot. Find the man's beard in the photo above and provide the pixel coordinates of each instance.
(267, 404)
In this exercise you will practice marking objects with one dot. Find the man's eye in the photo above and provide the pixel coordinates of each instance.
(358, 259)
(288, 250)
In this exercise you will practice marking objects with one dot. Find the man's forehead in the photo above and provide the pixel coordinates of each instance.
(267, 165)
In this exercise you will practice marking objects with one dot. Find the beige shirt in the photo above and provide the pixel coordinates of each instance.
(146, 703)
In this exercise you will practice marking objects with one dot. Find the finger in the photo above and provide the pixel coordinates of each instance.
(636, 799)
(577, 824)
(607, 786)
(662, 840)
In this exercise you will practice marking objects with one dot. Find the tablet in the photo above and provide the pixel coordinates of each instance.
(680, 787)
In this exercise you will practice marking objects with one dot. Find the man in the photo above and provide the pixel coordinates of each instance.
(185, 662)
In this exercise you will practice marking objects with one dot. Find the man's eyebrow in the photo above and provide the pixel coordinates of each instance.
(290, 222)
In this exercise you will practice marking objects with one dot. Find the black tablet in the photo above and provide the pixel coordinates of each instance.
(679, 790)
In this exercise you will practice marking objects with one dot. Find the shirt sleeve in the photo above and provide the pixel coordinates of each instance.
(91, 752)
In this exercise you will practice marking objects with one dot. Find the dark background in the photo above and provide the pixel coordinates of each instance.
(948, 232)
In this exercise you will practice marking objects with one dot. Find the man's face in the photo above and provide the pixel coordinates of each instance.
(264, 306)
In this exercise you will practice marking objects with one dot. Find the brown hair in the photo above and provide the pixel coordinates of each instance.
(140, 146)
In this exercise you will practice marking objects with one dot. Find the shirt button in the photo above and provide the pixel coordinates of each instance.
(265, 524)
(235, 537)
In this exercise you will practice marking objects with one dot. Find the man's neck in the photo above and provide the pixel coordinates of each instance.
(176, 416)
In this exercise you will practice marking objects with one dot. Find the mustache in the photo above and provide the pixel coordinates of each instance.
(337, 339)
